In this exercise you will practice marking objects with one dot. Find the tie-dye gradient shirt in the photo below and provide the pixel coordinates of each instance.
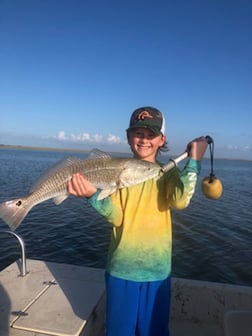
(141, 241)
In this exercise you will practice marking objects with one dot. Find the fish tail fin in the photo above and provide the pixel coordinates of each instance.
(13, 212)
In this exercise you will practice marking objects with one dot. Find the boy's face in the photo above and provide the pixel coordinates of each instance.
(144, 143)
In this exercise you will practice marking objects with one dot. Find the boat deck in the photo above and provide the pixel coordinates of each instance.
(52, 299)
(64, 300)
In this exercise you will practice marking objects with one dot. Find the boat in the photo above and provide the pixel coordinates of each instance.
(40, 298)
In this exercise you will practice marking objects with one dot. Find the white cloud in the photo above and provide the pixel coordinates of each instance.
(98, 138)
(244, 148)
(247, 148)
(113, 139)
(88, 138)
(83, 137)
(61, 136)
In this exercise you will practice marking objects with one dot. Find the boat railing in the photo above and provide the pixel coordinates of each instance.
(21, 242)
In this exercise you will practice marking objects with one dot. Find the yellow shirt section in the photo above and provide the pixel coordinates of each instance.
(140, 248)
(141, 241)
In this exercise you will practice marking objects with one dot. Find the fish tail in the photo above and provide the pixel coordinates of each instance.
(13, 212)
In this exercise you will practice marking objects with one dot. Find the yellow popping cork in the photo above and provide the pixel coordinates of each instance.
(211, 186)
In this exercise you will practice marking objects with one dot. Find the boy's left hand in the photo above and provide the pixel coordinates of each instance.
(197, 147)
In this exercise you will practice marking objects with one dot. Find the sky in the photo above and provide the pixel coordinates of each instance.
(73, 71)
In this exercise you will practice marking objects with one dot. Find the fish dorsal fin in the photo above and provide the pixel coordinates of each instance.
(97, 153)
(66, 162)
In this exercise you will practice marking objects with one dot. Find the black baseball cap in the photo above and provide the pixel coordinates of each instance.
(148, 117)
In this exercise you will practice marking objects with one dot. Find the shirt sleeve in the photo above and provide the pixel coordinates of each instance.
(181, 184)
(106, 208)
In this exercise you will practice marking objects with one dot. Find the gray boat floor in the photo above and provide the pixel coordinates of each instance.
(55, 299)
(52, 299)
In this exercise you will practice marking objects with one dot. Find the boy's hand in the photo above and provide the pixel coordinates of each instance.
(196, 148)
(80, 186)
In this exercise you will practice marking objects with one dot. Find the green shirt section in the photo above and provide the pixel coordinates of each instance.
(141, 241)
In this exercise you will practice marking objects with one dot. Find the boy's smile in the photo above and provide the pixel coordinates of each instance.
(145, 143)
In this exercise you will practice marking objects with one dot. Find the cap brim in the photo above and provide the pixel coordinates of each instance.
(153, 129)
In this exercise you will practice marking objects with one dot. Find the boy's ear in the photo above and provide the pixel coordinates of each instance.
(164, 138)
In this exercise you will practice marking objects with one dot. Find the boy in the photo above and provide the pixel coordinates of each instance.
(139, 260)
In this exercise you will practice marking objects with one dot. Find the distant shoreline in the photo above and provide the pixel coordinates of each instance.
(53, 149)
(75, 150)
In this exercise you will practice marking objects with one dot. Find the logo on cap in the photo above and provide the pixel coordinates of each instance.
(144, 114)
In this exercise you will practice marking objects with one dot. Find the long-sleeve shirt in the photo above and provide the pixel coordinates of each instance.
(141, 241)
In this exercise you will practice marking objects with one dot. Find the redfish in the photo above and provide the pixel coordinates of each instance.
(107, 174)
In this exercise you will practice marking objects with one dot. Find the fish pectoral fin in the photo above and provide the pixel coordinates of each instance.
(59, 199)
(105, 193)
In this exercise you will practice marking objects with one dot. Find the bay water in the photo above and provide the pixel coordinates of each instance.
(212, 239)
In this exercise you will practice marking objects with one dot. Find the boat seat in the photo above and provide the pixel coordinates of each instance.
(238, 323)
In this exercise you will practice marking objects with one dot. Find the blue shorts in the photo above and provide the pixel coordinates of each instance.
(137, 308)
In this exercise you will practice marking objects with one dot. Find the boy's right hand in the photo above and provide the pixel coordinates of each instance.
(79, 186)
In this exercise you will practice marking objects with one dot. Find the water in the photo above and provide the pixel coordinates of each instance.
(212, 240)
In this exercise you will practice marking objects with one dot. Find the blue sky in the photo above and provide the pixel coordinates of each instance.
(72, 71)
